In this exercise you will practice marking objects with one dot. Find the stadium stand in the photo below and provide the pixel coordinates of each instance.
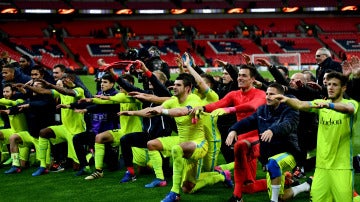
(227, 49)
(146, 26)
(85, 28)
(13, 54)
(306, 46)
(24, 28)
(342, 43)
(89, 50)
(348, 24)
(46, 51)
(274, 25)
(209, 42)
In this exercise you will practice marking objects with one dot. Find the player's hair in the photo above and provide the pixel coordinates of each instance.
(26, 57)
(210, 79)
(252, 69)
(187, 79)
(324, 51)
(39, 68)
(129, 78)
(337, 75)
(278, 87)
(308, 72)
(61, 66)
(9, 66)
(10, 84)
(162, 75)
(70, 74)
(41, 82)
(108, 77)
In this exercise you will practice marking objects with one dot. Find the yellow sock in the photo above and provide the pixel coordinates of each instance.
(157, 162)
(207, 178)
(229, 166)
(99, 156)
(16, 160)
(43, 147)
(178, 166)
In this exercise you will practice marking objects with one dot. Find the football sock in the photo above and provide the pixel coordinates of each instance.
(178, 166)
(24, 153)
(300, 188)
(275, 192)
(43, 147)
(131, 170)
(48, 154)
(229, 166)
(16, 160)
(99, 155)
(208, 178)
(157, 162)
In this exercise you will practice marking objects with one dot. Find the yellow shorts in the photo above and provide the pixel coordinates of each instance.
(286, 162)
(7, 133)
(167, 143)
(62, 134)
(332, 185)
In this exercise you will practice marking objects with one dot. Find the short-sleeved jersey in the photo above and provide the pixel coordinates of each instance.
(17, 121)
(72, 120)
(128, 124)
(187, 131)
(334, 139)
(210, 122)
(207, 97)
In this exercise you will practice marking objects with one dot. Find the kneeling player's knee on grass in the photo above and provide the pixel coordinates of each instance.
(46, 133)
(187, 187)
(273, 169)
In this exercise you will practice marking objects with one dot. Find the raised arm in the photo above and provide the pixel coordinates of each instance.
(179, 63)
(203, 87)
(278, 76)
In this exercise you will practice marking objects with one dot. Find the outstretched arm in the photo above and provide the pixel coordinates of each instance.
(346, 108)
(62, 90)
(35, 89)
(149, 97)
(293, 102)
(142, 113)
(175, 112)
(159, 110)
